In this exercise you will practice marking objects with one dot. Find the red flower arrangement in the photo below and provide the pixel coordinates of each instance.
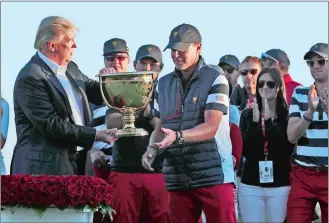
(43, 191)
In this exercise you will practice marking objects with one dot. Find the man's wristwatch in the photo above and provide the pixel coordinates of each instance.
(180, 138)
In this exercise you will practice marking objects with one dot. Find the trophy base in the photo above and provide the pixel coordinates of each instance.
(129, 132)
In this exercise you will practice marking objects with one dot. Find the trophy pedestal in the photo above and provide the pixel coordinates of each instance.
(129, 132)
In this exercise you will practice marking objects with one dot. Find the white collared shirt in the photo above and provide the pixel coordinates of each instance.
(75, 98)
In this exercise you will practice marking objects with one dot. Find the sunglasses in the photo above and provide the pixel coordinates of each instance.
(269, 84)
(252, 71)
(228, 69)
(321, 62)
(265, 56)
(119, 57)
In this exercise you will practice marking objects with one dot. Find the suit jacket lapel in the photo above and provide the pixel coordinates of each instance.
(54, 80)
(78, 86)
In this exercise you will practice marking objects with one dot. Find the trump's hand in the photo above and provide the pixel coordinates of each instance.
(106, 135)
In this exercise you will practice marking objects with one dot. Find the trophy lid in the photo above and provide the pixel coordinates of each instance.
(128, 73)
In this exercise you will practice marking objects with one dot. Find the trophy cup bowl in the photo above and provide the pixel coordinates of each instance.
(128, 92)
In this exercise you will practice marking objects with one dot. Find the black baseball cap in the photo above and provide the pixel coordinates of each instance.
(149, 50)
(231, 60)
(182, 36)
(279, 55)
(320, 49)
(115, 45)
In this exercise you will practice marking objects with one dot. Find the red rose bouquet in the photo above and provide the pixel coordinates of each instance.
(43, 191)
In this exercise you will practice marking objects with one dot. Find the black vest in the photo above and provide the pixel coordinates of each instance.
(191, 165)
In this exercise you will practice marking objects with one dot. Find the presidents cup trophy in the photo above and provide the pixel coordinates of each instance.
(128, 92)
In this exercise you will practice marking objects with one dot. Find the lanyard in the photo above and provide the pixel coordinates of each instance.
(250, 103)
(265, 141)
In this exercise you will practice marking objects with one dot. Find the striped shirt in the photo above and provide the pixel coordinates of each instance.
(99, 124)
(218, 100)
(312, 147)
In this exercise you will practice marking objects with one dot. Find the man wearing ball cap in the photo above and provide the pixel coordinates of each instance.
(192, 130)
(230, 64)
(308, 129)
(141, 195)
(116, 59)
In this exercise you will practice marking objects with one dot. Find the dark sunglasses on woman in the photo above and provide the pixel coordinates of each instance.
(270, 84)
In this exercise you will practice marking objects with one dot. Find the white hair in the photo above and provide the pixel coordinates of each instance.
(52, 27)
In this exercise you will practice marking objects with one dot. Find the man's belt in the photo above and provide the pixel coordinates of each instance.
(315, 168)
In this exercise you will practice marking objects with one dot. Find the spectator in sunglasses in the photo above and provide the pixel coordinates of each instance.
(265, 178)
(230, 64)
(244, 97)
(116, 56)
(116, 59)
(249, 70)
(279, 59)
(138, 200)
(308, 128)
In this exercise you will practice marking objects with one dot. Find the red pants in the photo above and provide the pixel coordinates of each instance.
(307, 188)
(139, 197)
(102, 172)
(217, 202)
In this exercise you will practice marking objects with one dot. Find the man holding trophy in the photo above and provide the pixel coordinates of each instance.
(116, 59)
(192, 130)
(140, 195)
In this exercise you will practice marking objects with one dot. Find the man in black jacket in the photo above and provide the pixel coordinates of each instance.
(51, 106)
(192, 128)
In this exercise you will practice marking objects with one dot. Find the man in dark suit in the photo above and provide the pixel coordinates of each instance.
(52, 114)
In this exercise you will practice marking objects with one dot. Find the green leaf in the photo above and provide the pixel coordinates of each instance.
(79, 208)
(107, 210)
(62, 208)
(12, 208)
(40, 211)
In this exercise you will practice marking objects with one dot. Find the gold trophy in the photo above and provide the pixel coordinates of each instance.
(128, 92)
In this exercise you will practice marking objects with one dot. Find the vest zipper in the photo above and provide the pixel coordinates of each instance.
(184, 92)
